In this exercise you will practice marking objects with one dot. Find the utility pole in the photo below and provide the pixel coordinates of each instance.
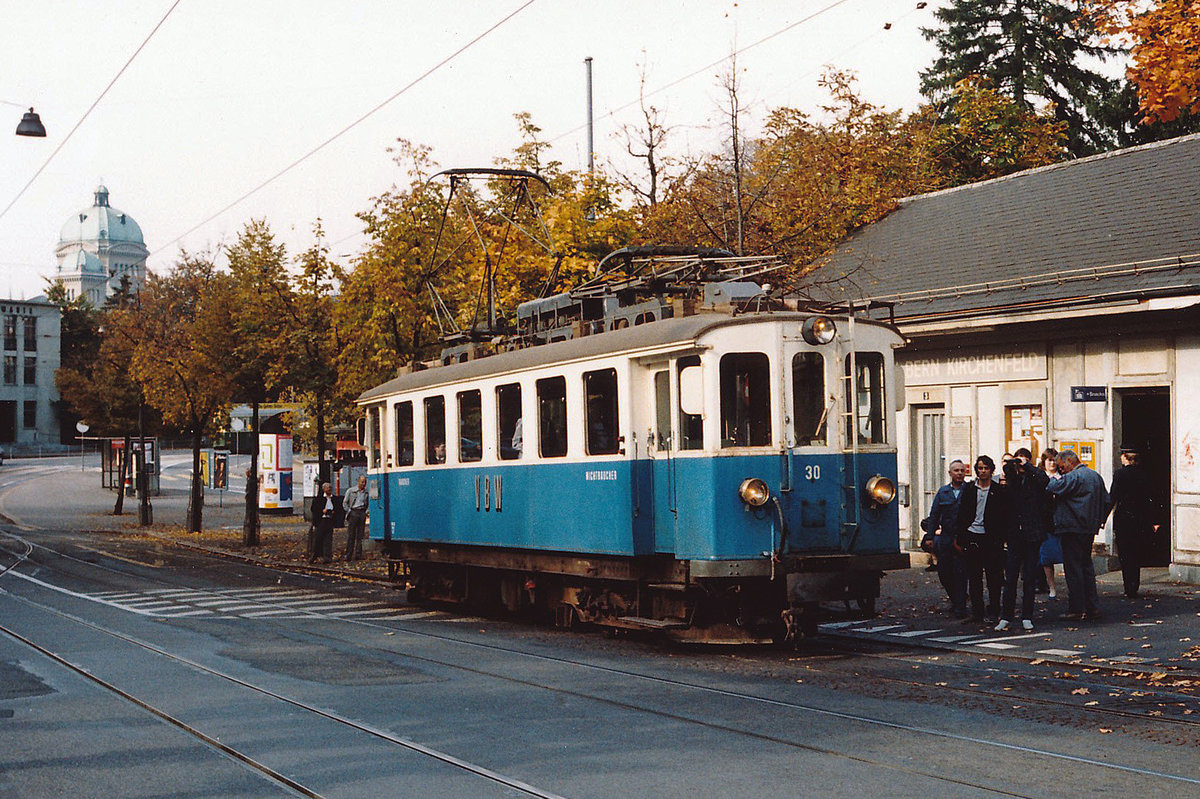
(591, 132)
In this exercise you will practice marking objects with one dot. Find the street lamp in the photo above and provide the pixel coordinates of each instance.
(30, 124)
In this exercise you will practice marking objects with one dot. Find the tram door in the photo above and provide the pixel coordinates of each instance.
(930, 468)
(661, 451)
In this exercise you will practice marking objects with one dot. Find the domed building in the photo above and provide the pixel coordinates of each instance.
(98, 249)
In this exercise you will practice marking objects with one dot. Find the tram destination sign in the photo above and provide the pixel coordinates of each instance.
(1089, 393)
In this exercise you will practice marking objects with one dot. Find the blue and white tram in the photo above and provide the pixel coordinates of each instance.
(711, 476)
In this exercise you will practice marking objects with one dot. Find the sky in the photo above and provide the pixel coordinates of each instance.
(227, 94)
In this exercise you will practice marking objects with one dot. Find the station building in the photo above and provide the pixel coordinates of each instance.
(1054, 307)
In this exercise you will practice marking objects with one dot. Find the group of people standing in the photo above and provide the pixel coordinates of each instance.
(324, 511)
(1001, 529)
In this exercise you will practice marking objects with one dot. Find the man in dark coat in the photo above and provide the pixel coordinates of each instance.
(1079, 512)
(939, 537)
(1025, 484)
(322, 519)
(979, 533)
(1132, 518)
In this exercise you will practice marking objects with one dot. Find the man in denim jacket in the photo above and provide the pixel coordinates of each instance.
(939, 537)
(1079, 513)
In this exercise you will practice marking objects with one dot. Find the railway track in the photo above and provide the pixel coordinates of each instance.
(752, 702)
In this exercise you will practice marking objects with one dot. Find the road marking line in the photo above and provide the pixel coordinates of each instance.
(186, 613)
(953, 639)
(1062, 653)
(996, 645)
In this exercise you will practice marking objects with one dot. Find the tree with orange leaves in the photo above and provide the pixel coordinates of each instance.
(1165, 50)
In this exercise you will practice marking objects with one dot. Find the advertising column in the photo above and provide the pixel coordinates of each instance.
(275, 466)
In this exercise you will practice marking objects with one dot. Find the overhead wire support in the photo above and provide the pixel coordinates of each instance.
(351, 126)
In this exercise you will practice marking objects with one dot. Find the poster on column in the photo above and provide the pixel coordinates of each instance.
(275, 468)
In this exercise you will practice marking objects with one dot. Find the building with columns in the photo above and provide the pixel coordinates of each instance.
(98, 248)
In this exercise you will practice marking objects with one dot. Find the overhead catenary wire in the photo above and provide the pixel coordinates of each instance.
(349, 127)
(707, 67)
(91, 108)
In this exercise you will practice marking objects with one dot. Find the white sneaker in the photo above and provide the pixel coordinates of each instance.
(1002, 626)
(1027, 625)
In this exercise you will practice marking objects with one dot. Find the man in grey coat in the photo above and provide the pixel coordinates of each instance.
(1079, 513)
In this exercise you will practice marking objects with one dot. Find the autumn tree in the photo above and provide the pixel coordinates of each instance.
(312, 338)
(806, 183)
(985, 135)
(1164, 40)
(1030, 50)
(244, 329)
(645, 142)
(173, 329)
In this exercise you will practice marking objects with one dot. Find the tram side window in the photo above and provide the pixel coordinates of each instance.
(435, 430)
(509, 422)
(404, 434)
(691, 425)
(552, 417)
(745, 400)
(662, 410)
(809, 415)
(600, 389)
(470, 426)
(868, 384)
(373, 436)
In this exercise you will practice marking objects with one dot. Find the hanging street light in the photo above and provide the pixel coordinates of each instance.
(31, 125)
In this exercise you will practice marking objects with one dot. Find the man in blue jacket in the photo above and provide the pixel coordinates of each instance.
(939, 537)
(1079, 513)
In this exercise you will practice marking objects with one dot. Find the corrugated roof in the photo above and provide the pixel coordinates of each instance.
(1126, 222)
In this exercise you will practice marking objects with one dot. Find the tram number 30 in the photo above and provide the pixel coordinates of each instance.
(812, 472)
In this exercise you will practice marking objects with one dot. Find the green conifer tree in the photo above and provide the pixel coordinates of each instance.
(1031, 51)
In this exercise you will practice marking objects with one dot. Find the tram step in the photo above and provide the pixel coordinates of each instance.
(653, 624)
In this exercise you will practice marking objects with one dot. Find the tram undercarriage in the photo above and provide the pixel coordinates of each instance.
(656, 593)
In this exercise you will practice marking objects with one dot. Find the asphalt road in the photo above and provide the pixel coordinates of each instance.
(132, 668)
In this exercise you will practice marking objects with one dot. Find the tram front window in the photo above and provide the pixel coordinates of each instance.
(552, 417)
(470, 426)
(868, 384)
(809, 413)
(435, 430)
(404, 434)
(745, 400)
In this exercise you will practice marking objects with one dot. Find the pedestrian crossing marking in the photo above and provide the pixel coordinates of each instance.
(914, 633)
(276, 602)
(1062, 653)
(953, 639)
(994, 645)
(881, 629)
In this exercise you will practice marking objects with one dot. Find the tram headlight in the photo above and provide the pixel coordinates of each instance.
(754, 492)
(880, 490)
(818, 330)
